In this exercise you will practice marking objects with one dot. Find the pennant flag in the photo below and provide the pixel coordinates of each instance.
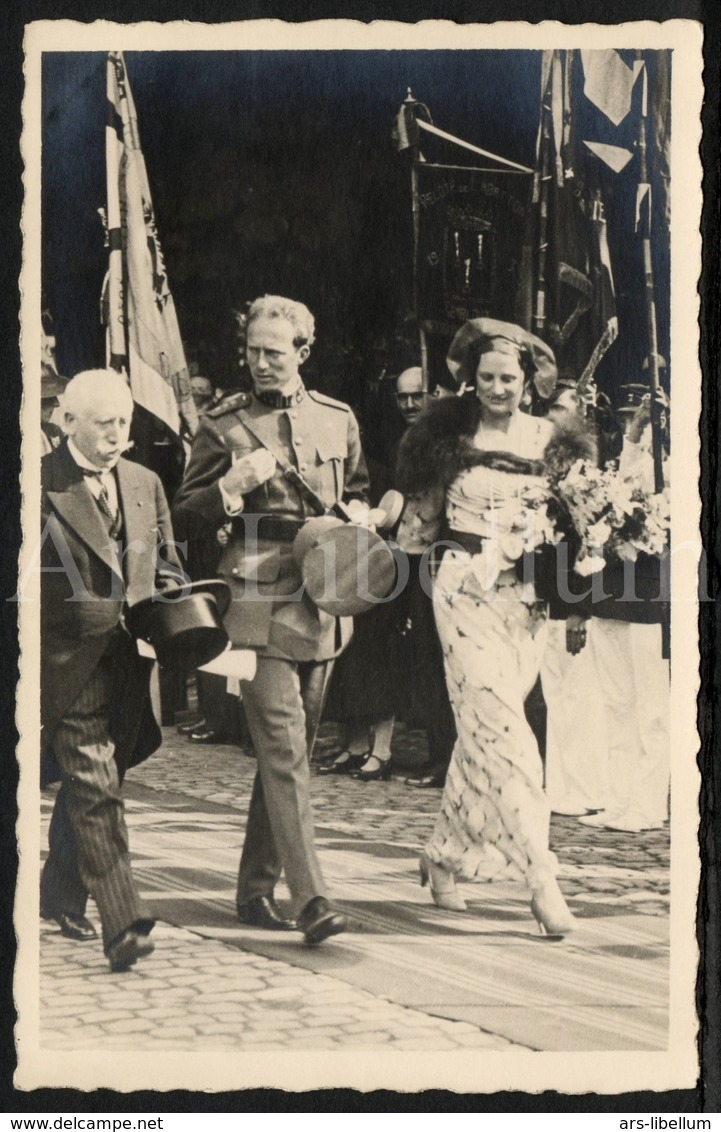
(608, 82)
(143, 337)
(643, 207)
(615, 156)
(574, 308)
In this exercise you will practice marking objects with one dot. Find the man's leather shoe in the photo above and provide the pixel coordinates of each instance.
(263, 912)
(194, 725)
(426, 781)
(318, 920)
(129, 946)
(75, 926)
(205, 735)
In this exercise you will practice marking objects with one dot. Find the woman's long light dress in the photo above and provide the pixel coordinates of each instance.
(494, 816)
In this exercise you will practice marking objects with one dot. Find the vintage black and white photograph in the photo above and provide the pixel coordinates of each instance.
(359, 584)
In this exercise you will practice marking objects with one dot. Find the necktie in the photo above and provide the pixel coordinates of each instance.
(102, 498)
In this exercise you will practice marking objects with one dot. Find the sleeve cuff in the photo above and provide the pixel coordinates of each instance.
(233, 504)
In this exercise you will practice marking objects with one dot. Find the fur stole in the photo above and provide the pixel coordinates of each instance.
(439, 446)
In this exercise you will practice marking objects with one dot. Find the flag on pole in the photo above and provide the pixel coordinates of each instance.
(658, 70)
(143, 337)
(574, 309)
(615, 156)
(608, 82)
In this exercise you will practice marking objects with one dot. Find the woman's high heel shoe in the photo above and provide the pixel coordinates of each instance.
(442, 885)
(379, 773)
(550, 910)
(346, 763)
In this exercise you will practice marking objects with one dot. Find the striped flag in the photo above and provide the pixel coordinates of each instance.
(143, 338)
(575, 308)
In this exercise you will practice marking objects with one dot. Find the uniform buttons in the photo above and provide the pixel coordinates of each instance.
(234, 570)
(298, 440)
(293, 416)
(304, 467)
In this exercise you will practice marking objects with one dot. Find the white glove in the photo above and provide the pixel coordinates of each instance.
(249, 472)
(359, 513)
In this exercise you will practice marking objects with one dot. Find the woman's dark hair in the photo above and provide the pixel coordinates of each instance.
(480, 346)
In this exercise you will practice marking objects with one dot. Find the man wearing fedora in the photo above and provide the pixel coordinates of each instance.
(244, 458)
(52, 387)
(104, 523)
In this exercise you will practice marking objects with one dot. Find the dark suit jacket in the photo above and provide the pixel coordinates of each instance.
(85, 590)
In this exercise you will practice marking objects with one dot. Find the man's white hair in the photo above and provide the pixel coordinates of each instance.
(91, 387)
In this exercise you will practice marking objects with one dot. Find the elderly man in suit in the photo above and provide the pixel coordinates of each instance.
(242, 455)
(105, 521)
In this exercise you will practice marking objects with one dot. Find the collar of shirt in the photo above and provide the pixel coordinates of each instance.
(277, 399)
(83, 462)
(103, 479)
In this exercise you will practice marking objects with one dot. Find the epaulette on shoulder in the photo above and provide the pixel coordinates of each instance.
(322, 399)
(230, 404)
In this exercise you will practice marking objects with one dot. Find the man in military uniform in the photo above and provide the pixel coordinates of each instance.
(233, 471)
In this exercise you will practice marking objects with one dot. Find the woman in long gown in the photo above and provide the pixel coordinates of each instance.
(488, 452)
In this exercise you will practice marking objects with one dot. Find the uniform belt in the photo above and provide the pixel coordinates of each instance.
(273, 527)
(472, 544)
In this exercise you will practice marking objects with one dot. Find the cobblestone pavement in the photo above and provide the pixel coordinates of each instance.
(201, 994)
(406, 977)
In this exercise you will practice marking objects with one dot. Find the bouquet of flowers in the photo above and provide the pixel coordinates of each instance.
(614, 517)
(604, 514)
(532, 524)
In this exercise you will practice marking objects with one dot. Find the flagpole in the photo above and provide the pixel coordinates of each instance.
(653, 358)
(539, 312)
(431, 129)
(409, 103)
(645, 221)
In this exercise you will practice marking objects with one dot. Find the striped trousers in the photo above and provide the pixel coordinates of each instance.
(88, 839)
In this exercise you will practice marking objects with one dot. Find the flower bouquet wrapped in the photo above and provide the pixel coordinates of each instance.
(607, 516)
(614, 517)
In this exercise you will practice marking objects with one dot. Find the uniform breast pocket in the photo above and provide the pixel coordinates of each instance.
(331, 454)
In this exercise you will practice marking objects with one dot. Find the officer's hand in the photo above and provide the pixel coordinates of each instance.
(361, 514)
(249, 472)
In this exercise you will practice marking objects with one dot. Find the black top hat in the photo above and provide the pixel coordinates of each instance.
(183, 623)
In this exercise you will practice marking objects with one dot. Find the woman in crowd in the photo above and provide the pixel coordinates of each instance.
(487, 453)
